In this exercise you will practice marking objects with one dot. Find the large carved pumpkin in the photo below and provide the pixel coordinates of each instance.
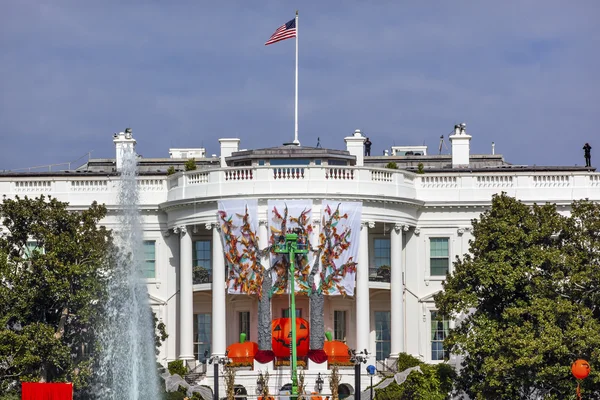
(242, 352)
(337, 352)
(281, 330)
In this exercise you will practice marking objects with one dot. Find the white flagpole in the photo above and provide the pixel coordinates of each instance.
(296, 141)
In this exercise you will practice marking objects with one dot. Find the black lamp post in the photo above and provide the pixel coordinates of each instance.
(319, 383)
(358, 358)
(216, 360)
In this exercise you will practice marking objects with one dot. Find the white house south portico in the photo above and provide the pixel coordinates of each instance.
(410, 227)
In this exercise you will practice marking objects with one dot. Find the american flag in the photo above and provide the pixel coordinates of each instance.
(285, 31)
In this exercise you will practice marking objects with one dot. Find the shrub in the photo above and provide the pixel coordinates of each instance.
(190, 164)
(406, 361)
(177, 367)
(420, 168)
(171, 170)
(392, 165)
(434, 383)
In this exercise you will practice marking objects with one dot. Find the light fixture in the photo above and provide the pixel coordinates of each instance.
(319, 383)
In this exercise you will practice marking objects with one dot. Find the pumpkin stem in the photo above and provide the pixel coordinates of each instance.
(242, 337)
(328, 336)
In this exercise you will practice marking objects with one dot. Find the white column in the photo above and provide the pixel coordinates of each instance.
(363, 320)
(396, 292)
(219, 342)
(186, 295)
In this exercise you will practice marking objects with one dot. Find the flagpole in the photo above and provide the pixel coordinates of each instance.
(296, 141)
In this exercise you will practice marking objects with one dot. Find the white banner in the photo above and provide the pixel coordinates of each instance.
(290, 216)
(338, 246)
(238, 221)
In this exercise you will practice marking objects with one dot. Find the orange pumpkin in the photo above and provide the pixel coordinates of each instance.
(242, 352)
(281, 331)
(337, 352)
(580, 369)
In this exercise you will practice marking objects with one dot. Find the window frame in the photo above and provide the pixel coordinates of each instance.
(146, 260)
(431, 341)
(195, 260)
(240, 323)
(438, 235)
(345, 327)
(375, 311)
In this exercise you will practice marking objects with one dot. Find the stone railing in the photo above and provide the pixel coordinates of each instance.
(311, 181)
(82, 191)
(527, 186)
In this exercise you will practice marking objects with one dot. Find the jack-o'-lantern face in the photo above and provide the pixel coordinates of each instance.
(281, 330)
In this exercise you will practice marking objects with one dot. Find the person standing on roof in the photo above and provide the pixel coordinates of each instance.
(587, 153)
(367, 147)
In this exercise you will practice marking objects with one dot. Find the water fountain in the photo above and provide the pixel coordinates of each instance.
(128, 362)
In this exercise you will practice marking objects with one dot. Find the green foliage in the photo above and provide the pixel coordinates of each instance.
(52, 295)
(406, 361)
(434, 383)
(391, 165)
(171, 170)
(529, 297)
(160, 333)
(177, 367)
(10, 396)
(190, 165)
(420, 168)
(175, 396)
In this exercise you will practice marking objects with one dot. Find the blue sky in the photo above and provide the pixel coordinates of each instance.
(523, 74)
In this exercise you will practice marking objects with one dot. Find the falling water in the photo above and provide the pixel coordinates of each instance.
(128, 362)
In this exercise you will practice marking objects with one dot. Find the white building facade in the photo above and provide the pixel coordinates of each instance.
(413, 225)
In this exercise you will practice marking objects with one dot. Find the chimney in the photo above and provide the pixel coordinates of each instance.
(355, 146)
(123, 141)
(228, 147)
(460, 146)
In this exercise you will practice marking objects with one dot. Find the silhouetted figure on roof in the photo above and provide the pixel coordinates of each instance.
(587, 153)
(367, 147)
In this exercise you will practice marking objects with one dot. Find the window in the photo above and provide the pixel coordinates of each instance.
(290, 161)
(382, 252)
(337, 162)
(317, 162)
(285, 313)
(439, 331)
(382, 335)
(149, 267)
(439, 256)
(261, 162)
(244, 318)
(339, 325)
(202, 262)
(32, 247)
(202, 334)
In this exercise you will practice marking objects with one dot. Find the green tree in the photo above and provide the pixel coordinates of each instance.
(528, 295)
(190, 165)
(53, 265)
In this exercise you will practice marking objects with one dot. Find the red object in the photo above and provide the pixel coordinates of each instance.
(281, 329)
(580, 369)
(285, 31)
(264, 356)
(336, 351)
(242, 352)
(46, 391)
(317, 356)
